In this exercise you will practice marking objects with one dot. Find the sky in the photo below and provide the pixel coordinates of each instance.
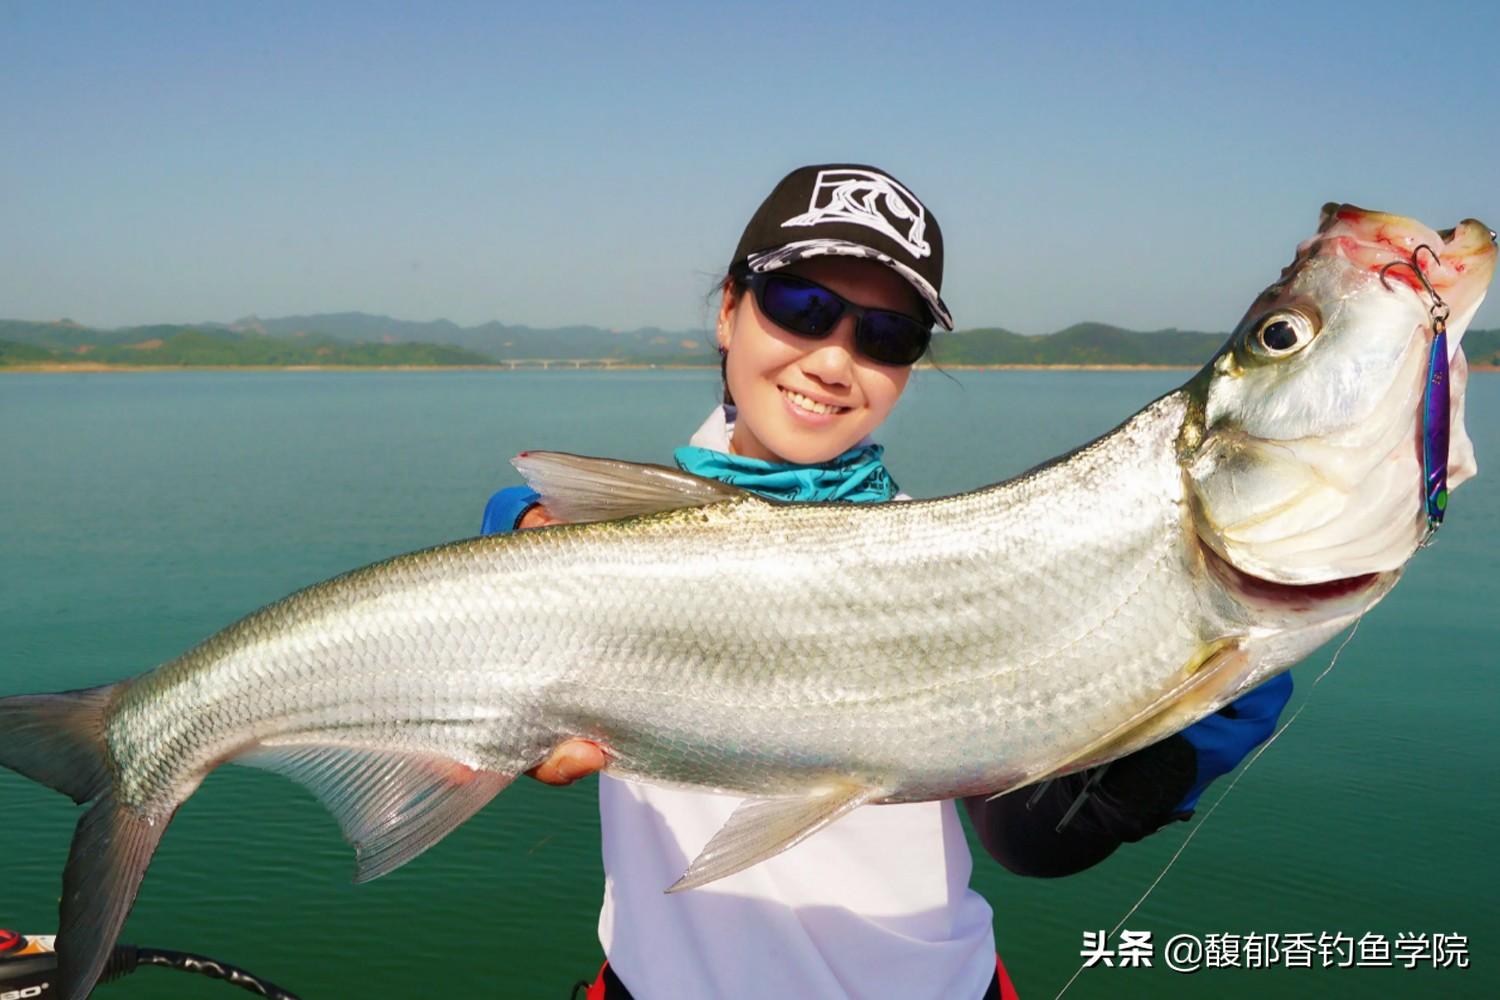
(1148, 165)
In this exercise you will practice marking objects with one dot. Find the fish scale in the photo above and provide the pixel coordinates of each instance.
(911, 679)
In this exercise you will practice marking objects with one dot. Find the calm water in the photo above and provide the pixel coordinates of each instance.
(141, 512)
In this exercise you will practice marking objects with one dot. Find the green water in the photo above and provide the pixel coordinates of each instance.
(141, 512)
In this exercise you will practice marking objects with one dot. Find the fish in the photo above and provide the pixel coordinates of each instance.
(816, 658)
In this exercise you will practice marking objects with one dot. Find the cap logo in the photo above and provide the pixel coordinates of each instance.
(867, 198)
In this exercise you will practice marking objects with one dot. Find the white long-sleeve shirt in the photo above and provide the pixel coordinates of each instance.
(877, 905)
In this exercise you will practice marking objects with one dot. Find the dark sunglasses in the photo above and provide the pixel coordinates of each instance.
(809, 310)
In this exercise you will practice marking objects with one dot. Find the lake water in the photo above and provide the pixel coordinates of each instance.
(141, 512)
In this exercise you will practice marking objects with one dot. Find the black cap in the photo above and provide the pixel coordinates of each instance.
(849, 210)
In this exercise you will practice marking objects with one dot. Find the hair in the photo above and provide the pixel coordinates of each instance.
(733, 280)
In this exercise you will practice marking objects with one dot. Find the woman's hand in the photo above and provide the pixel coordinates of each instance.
(537, 516)
(572, 759)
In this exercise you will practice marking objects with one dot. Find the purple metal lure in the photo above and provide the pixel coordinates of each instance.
(1435, 399)
(1435, 425)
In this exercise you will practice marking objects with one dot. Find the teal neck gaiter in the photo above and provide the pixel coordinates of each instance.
(856, 476)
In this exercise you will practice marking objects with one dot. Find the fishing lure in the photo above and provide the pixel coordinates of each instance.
(1435, 398)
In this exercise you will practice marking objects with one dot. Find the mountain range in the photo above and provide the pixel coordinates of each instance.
(361, 339)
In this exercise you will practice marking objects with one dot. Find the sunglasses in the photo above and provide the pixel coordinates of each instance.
(809, 310)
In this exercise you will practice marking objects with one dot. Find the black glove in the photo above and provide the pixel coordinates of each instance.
(1126, 800)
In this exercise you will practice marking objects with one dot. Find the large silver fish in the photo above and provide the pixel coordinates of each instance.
(816, 658)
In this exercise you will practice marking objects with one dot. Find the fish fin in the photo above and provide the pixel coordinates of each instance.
(763, 828)
(58, 739)
(578, 489)
(1219, 670)
(112, 847)
(391, 805)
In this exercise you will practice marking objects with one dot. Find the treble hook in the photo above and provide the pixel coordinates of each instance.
(1439, 307)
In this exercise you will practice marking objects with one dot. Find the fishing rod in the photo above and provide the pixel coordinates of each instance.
(28, 967)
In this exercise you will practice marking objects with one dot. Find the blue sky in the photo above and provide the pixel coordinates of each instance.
(1148, 165)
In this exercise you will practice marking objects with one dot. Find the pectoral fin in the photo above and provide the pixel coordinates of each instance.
(578, 489)
(763, 828)
(391, 806)
(1207, 681)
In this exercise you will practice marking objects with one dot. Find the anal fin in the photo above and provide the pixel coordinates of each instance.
(762, 828)
(391, 805)
(112, 846)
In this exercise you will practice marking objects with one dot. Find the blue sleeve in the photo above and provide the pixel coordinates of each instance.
(505, 509)
(1225, 738)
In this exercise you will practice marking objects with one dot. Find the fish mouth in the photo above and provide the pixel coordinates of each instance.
(1297, 597)
(1458, 264)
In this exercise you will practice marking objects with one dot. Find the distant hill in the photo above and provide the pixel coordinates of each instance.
(488, 343)
(63, 334)
(13, 353)
(360, 339)
(1080, 344)
(499, 341)
(1482, 347)
(190, 347)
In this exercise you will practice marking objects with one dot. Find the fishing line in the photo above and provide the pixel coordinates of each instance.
(1217, 803)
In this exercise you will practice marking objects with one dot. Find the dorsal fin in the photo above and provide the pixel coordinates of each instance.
(577, 489)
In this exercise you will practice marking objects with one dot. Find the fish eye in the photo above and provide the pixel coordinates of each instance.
(1281, 334)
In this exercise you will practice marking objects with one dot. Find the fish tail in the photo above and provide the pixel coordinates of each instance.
(58, 740)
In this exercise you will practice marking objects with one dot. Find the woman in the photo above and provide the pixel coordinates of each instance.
(829, 299)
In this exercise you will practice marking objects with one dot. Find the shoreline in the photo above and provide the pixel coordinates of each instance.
(86, 367)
